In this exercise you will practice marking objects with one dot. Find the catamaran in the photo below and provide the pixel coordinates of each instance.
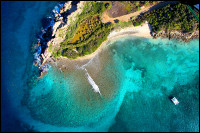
(175, 101)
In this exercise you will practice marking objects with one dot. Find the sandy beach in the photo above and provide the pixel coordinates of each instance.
(66, 64)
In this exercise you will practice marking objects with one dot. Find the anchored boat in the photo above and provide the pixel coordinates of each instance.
(175, 101)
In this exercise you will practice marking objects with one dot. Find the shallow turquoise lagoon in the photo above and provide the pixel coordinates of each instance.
(136, 79)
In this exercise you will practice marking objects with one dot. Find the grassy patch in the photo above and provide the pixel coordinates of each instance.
(128, 7)
(123, 24)
(50, 47)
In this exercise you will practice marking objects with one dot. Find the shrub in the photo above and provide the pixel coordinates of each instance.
(69, 53)
(158, 29)
(59, 53)
(137, 23)
(116, 20)
(54, 55)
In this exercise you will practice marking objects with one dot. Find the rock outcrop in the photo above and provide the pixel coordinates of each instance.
(177, 35)
(58, 31)
(66, 6)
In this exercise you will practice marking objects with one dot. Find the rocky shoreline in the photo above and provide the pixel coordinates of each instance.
(46, 35)
(177, 35)
(63, 14)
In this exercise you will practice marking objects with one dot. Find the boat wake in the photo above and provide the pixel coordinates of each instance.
(91, 81)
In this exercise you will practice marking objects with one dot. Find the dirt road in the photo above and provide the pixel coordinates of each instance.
(105, 18)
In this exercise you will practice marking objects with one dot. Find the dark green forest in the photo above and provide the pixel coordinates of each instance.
(170, 17)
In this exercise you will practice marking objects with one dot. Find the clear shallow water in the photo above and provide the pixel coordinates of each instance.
(135, 77)
(156, 70)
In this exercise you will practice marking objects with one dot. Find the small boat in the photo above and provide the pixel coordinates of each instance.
(175, 101)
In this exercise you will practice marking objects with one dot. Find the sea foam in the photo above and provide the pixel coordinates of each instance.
(91, 81)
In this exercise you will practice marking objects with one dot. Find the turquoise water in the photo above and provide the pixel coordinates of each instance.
(135, 81)
(155, 70)
(135, 75)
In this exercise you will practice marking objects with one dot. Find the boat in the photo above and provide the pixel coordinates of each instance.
(175, 101)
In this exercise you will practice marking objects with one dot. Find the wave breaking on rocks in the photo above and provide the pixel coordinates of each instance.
(58, 21)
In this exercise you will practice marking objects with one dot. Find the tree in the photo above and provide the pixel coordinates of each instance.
(158, 29)
(138, 8)
(146, 2)
(116, 20)
(108, 6)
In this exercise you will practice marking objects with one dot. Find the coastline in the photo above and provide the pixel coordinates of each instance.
(65, 64)
(186, 37)
(66, 93)
(59, 26)
(143, 30)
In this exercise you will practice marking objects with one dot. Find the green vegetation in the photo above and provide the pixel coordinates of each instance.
(136, 5)
(61, 32)
(54, 55)
(86, 28)
(138, 8)
(85, 34)
(137, 24)
(170, 17)
(108, 5)
(50, 47)
(128, 7)
(123, 24)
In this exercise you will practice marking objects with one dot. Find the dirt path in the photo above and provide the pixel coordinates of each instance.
(105, 18)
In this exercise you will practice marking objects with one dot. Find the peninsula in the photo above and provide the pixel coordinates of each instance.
(82, 29)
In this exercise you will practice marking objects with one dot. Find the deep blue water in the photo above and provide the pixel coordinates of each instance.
(135, 75)
(20, 21)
